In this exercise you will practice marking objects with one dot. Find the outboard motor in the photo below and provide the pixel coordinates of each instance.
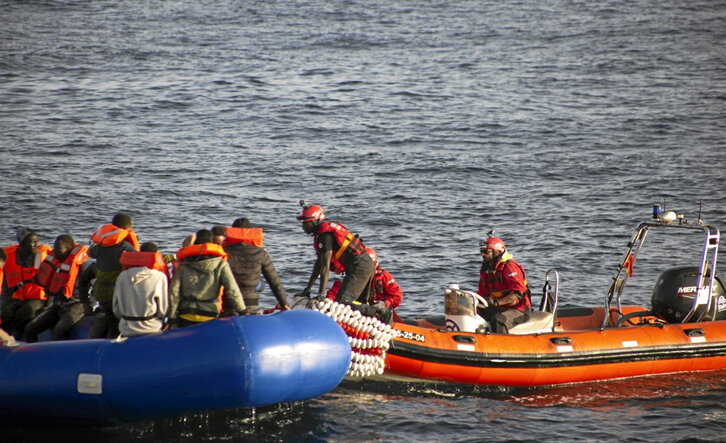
(674, 292)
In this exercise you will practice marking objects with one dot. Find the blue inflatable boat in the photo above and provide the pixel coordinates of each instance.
(232, 362)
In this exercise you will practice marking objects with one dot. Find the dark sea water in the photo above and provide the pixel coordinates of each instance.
(420, 125)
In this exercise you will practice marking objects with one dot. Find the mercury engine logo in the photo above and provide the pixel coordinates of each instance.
(686, 290)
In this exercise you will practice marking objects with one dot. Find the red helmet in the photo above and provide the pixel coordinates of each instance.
(494, 243)
(312, 213)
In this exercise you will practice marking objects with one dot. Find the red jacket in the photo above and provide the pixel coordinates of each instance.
(384, 287)
(507, 276)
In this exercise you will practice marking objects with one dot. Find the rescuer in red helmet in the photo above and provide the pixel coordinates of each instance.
(503, 283)
(340, 251)
(384, 297)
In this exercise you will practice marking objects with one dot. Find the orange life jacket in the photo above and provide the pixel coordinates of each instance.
(201, 249)
(109, 235)
(250, 236)
(22, 279)
(59, 277)
(151, 260)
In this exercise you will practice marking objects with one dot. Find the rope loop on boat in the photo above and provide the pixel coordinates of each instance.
(369, 338)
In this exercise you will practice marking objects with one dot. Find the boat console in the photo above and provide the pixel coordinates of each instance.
(460, 311)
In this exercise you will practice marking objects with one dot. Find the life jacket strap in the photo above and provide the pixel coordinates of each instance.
(128, 317)
(349, 239)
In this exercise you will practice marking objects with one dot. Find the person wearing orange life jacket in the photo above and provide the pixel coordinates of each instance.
(503, 284)
(58, 274)
(141, 295)
(4, 336)
(340, 251)
(108, 242)
(202, 283)
(219, 234)
(3, 259)
(248, 260)
(172, 259)
(22, 297)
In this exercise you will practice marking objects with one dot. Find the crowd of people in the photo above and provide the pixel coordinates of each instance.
(131, 288)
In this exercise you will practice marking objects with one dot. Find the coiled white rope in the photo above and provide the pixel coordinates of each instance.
(369, 338)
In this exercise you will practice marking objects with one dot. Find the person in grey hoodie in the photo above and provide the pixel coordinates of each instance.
(202, 283)
(141, 298)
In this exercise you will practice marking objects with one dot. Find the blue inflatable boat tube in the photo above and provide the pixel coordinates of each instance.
(232, 362)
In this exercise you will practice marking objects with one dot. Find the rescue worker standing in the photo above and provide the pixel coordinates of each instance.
(108, 242)
(503, 284)
(58, 274)
(340, 251)
(202, 283)
(22, 296)
(248, 259)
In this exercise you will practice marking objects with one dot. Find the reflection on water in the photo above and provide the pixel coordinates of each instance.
(674, 389)
(585, 395)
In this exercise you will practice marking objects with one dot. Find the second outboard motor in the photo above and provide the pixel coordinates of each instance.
(674, 292)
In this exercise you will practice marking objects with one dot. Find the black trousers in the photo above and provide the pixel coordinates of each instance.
(501, 321)
(357, 281)
(16, 314)
(60, 317)
(105, 324)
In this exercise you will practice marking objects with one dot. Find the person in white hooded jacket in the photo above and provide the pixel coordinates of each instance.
(141, 297)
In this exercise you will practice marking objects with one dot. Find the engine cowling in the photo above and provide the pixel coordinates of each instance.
(674, 292)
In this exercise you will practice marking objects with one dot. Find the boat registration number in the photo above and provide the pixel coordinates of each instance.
(410, 335)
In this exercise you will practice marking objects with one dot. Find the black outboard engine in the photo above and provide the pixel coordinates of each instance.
(674, 292)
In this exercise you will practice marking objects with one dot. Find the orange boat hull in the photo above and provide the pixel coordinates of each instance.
(577, 351)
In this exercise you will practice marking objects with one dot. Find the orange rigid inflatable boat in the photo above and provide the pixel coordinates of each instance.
(683, 331)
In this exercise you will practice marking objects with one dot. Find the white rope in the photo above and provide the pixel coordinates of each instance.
(369, 338)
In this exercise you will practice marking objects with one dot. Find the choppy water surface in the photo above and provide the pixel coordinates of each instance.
(421, 125)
